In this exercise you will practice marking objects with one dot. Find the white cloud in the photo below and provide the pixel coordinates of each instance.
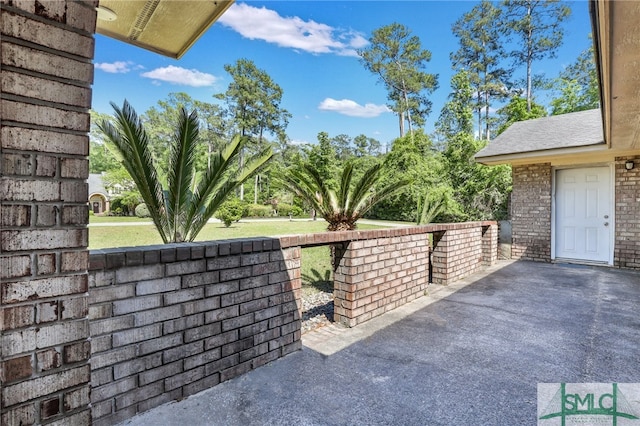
(293, 32)
(182, 76)
(117, 67)
(352, 108)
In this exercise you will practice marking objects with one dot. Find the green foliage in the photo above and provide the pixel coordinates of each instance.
(399, 61)
(341, 206)
(480, 191)
(142, 210)
(517, 110)
(258, 210)
(230, 211)
(457, 115)
(180, 211)
(411, 158)
(438, 203)
(323, 158)
(578, 86)
(101, 158)
(253, 100)
(285, 209)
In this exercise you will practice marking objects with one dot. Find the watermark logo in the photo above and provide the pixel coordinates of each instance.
(616, 404)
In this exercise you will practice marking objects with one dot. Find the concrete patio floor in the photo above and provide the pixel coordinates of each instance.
(468, 354)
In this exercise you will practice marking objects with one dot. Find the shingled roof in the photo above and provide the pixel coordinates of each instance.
(576, 129)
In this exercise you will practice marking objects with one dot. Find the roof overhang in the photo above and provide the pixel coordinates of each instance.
(617, 49)
(585, 154)
(167, 27)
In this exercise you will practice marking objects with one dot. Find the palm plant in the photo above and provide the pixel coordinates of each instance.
(341, 208)
(190, 199)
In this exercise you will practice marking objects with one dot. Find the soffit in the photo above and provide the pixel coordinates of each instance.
(168, 27)
(618, 54)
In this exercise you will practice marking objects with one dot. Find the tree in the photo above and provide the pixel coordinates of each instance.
(411, 158)
(518, 110)
(538, 26)
(456, 115)
(101, 159)
(365, 146)
(341, 206)
(323, 158)
(189, 201)
(480, 55)
(398, 59)
(578, 86)
(480, 191)
(253, 101)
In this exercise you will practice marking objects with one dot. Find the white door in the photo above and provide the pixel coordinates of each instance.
(584, 216)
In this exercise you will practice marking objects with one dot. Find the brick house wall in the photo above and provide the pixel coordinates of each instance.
(531, 212)
(45, 94)
(627, 198)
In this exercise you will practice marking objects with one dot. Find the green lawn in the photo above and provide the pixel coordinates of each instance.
(142, 235)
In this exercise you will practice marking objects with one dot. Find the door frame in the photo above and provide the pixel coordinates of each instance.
(612, 215)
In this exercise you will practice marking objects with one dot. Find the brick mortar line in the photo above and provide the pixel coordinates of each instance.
(47, 21)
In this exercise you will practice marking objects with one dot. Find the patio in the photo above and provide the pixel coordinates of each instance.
(469, 353)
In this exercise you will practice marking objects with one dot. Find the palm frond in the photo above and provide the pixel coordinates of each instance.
(128, 136)
(218, 183)
(180, 173)
(345, 185)
(363, 189)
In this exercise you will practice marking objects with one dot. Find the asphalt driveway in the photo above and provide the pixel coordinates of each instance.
(470, 354)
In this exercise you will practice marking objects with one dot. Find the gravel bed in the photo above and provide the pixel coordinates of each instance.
(317, 310)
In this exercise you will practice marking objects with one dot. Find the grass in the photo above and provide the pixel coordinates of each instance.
(116, 219)
(143, 235)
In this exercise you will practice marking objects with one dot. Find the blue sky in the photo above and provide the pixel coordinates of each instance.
(308, 48)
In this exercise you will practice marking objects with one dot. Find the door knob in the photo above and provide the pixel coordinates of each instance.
(606, 216)
(606, 224)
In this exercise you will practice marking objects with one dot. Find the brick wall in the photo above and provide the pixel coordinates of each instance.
(377, 275)
(531, 212)
(170, 321)
(627, 198)
(45, 93)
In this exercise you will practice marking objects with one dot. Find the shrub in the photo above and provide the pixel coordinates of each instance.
(142, 210)
(258, 210)
(285, 209)
(230, 211)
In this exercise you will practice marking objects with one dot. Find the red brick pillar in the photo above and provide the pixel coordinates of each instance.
(46, 50)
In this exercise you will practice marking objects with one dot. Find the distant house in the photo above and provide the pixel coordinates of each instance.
(100, 196)
(575, 197)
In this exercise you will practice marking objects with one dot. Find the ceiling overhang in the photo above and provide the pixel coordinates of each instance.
(617, 49)
(167, 27)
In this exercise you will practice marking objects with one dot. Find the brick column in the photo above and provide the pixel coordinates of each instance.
(47, 49)
(375, 276)
(457, 253)
(490, 244)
